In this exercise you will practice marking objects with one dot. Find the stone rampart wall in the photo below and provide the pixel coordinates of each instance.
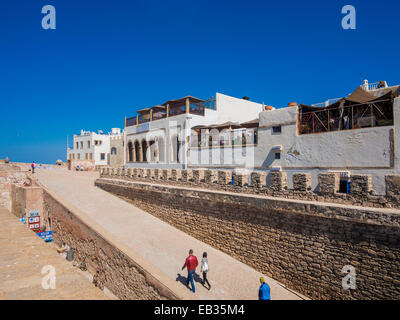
(303, 244)
(113, 265)
(256, 183)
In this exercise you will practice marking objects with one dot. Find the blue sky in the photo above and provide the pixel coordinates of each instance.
(107, 59)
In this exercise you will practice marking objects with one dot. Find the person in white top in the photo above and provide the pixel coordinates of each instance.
(204, 269)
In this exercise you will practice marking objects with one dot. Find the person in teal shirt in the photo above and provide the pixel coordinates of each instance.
(264, 291)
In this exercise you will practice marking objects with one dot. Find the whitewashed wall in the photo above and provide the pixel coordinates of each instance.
(361, 148)
(236, 110)
(95, 150)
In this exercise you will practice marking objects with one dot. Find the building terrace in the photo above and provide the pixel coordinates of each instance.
(171, 108)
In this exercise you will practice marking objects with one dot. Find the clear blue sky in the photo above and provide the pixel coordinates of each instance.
(107, 59)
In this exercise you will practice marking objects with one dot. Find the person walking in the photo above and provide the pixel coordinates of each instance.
(264, 291)
(33, 167)
(190, 263)
(204, 268)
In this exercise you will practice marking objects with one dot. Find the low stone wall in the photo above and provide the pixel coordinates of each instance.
(256, 183)
(25, 199)
(9, 174)
(127, 275)
(302, 244)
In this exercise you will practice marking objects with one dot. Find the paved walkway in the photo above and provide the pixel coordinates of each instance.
(23, 255)
(161, 244)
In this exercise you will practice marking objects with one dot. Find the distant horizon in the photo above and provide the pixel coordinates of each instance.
(106, 60)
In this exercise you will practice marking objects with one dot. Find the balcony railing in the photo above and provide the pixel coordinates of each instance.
(224, 138)
(197, 108)
(326, 103)
(376, 114)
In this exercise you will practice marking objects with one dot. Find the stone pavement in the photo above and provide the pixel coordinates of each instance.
(23, 255)
(156, 241)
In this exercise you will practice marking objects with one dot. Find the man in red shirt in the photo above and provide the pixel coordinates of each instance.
(191, 264)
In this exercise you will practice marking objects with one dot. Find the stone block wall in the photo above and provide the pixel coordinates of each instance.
(141, 173)
(258, 179)
(393, 186)
(224, 177)
(198, 176)
(360, 193)
(328, 183)
(210, 176)
(149, 173)
(361, 184)
(240, 178)
(157, 174)
(187, 175)
(176, 174)
(25, 199)
(123, 274)
(302, 182)
(9, 174)
(166, 174)
(117, 159)
(278, 180)
(303, 245)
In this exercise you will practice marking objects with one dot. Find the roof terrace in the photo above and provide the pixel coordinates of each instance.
(172, 108)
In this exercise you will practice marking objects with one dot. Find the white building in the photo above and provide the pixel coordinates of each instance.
(159, 136)
(358, 134)
(91, 149)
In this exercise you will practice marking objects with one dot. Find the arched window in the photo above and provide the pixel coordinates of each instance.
(113, 150)
(130, 152)
(137, 151)
(175, 149)
(161, 149)
(144, 150)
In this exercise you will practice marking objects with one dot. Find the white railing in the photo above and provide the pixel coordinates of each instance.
(326, 103)
(373, 86)
(236, 137)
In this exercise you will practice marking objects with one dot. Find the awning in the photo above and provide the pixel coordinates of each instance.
(359, 96)
(251, 124)
(143, 111)
(225, 125)
(182, 101)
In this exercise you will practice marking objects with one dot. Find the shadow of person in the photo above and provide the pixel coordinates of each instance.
(181, 279)
(197, 278)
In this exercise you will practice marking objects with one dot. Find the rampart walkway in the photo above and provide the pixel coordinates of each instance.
(156, 241)
(23, 255)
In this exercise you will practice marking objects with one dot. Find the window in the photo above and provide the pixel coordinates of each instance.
(113, 150)
(102, 156)
(81, 144)
(88, 144)
(277, 129)
(77, 145)
(277, 155)
(344, 186)
(86, 156)
(90, 156)
(79, 155)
